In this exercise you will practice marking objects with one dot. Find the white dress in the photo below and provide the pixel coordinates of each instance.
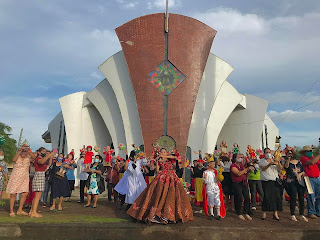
(212, 187)
(132, 183)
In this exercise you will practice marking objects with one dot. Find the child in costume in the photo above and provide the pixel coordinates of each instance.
(212, 192)
(108, 152)
(88, 154)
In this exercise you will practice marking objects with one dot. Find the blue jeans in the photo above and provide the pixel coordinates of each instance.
(44, 195)
(313, 200)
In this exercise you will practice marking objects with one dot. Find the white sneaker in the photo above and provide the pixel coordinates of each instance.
(293, 218)
(303, 218)
(248, 217)
(253, 208)
(241, 217)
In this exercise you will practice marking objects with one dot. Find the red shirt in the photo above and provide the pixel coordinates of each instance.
(39, 167)
(310, 170)
(236, 178)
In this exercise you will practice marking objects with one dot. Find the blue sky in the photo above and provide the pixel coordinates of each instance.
(52, 48)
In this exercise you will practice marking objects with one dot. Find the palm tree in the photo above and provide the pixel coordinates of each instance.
(4, 128)
(9, 147)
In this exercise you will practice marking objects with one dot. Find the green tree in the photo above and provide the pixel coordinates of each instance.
(9, 147)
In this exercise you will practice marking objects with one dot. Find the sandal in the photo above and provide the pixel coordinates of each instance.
(12, 214)
(59, 208)
(22, 213)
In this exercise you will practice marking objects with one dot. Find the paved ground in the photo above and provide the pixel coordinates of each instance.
(111, 217)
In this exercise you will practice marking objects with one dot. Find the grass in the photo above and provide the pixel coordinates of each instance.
(58, 217)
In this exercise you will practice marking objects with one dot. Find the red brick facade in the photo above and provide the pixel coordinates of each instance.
(189, 46)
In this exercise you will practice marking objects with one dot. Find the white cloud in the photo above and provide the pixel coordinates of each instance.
(161, 4)
(289, 97)
(293, 116)
(128, 4)
(278, 52)
(230, 21)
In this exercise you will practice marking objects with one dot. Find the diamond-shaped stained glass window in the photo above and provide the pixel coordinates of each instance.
(166, 77)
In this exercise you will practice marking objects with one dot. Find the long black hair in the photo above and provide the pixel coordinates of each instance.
(132, 154)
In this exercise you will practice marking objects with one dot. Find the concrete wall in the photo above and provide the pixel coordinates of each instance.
(215, 74)
(244, 126)
(116, 71)
(273, 132)
(227, 100)
(54, 129)
(104, 99)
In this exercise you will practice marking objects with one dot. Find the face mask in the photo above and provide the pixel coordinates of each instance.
(309, 154)
(239, 160)
(43, 154)
(1, 157)
(96, 160)
(268, 155)
(59, 159)
(114, 160)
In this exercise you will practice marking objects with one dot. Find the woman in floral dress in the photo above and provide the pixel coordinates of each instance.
(164, 200)
(19, 179)
(95, 182)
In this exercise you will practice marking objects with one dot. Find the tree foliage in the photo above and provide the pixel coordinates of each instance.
(9, 147)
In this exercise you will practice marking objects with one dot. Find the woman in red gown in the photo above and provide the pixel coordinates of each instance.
(164, 200)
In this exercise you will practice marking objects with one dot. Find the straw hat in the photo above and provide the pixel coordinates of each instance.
(305, 149)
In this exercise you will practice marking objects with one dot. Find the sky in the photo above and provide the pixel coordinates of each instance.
(49, 49)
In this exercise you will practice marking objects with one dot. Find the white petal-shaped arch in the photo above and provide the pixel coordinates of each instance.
(215, 74)
(227, 100)
(104, 99)
(116, 71)
(245, 126)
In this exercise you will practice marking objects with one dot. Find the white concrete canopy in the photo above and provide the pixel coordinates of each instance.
(104, 99)
(116, 71)
(227, 100)
(215, 74)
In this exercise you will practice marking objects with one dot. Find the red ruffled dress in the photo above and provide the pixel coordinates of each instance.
(164, 199)
(88, 158)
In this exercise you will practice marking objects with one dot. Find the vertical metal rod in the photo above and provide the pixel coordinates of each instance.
(167, 17)
(166, 57)
(262, 140)
(165, 116)
(20, 137)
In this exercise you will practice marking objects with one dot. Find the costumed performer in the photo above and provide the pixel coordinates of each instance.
(212, 192)
(164, 200)
(132, 183)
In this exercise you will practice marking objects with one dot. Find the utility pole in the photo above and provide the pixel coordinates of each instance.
(20, 137)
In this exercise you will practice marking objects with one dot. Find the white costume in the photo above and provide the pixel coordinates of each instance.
(212, 187)
(132, 183)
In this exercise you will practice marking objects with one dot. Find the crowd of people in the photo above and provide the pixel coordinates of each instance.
(154, 188)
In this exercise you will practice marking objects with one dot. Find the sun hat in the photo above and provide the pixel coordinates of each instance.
(305, 149)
